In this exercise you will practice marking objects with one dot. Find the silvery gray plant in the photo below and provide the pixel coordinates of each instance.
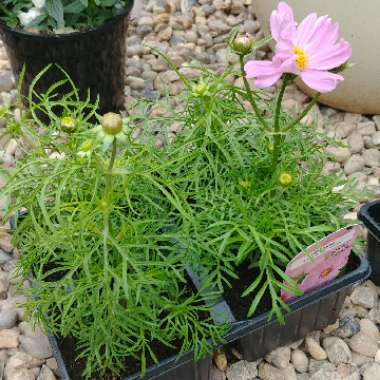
(59, 16)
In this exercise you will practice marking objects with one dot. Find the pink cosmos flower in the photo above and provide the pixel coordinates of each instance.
(308, 50)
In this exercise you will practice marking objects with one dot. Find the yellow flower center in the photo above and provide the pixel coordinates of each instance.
(302, 58)
(326, 272)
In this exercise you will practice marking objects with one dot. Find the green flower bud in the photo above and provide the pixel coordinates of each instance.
(87, 145)
(201, 89)
(85, 148)
(343, 67)
(285, 179)
(243, 44)
(68, 124)
(112, 123)
(245, 184)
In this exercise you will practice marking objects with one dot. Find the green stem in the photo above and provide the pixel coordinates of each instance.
(113, 156)
(250, 96)
(108, 200)
(277, 129)
(295, 121)
(5, 10)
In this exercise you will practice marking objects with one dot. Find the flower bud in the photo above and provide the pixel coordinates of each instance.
(87, 145)
(68, 124)
(343, 67)
(104, 204)
(112, 123)
(201, 89)
(243, 44)
(245, 184)
(285, 179)
(85, 148)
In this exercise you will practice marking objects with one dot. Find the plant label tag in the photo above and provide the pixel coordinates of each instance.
(322, 261)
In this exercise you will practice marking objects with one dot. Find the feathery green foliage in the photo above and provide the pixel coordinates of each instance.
(98, 239)
(242, 213)
(242, 184)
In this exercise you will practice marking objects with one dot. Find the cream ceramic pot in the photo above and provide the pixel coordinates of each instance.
(359, 24)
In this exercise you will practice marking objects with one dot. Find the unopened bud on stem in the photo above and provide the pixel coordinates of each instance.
(68, 124)
(201, 89)
(112, 123)
(285, 179)
(243, 44)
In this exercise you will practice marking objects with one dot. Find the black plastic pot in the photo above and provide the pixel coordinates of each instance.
(94, 60)
(313, 311)
(184, 368)
(369, 214)
(258, 336)
(173, 368)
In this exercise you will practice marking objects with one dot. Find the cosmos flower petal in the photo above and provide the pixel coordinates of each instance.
(306, 30)
(267, 81)
(325, 35)
(331, 57)
(253, 69)
(321, 81)
(282, 23)
(265, 73)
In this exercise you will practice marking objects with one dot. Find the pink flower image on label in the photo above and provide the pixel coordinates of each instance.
(322, 261)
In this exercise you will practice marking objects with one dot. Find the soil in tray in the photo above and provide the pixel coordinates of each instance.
(240, 305)
(75, 367)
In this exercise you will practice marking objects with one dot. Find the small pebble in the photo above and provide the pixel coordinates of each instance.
(337, 350)
(348, 326)
(9, 338)
(300, 361)
(362, 344)
(364, 296)
(37, 346)
(280, 357)
(315, 349)
(371, 371)
(242, 370)
(46, 374)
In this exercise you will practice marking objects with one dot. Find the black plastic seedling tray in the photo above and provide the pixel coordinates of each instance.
(369, 214)
(173, 368)
(315, 310)
(257, 336)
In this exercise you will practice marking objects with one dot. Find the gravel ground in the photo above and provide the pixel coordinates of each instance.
(195, 31)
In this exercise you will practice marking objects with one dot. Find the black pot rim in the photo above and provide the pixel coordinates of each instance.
(369, 222)
(352, 278)
(163, 367)
(66, 36)
(241, 328)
